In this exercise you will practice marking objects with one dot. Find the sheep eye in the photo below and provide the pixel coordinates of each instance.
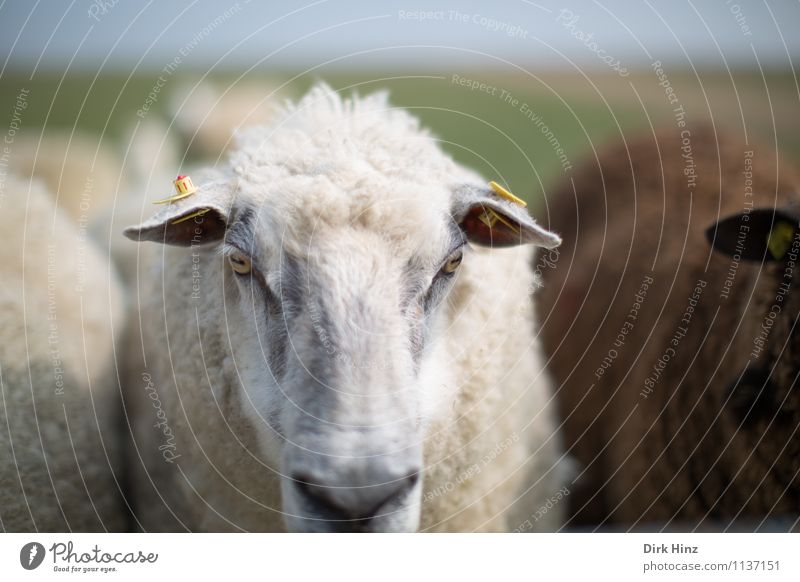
(240, 263)
(453, 263)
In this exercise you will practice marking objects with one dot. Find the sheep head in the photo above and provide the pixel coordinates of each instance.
(762, 393)
(339, 249)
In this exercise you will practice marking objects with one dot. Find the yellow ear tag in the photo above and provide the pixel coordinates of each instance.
(779, 239)
(200, 212)
(489, 217)
(503, 193)
(183, 188)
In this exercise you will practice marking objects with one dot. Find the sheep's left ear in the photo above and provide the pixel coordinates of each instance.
(198, 219)
(488, 219)
(763, 234)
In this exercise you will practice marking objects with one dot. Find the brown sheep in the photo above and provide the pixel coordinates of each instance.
(676, 361)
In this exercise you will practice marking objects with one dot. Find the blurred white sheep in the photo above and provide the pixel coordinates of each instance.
(61, 310)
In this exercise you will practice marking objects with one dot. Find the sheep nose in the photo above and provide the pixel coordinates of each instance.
(353, 507)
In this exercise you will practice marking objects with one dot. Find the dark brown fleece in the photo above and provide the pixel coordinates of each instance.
(663, 442)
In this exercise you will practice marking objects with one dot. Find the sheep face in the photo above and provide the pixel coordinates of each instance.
(334, 327)
(334, 367)
(762, 393)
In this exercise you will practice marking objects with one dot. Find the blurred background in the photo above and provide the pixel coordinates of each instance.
(104, 98)
(520, 90)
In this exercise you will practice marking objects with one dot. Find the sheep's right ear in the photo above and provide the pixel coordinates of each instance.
(763, 234)
(199, 219)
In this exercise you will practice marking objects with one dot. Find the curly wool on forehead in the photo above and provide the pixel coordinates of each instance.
(329, 160)
(298, 210)
(325, 133)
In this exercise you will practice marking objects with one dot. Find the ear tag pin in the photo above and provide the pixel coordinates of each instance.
(200, 212)
(183, 188)
(779, 239)
(489, 217)
(503, 193)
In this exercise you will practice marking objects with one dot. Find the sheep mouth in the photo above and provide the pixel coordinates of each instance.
(310, 509)
(387, 523)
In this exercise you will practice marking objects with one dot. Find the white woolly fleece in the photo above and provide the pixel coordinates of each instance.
(324, 165)
(61, 311)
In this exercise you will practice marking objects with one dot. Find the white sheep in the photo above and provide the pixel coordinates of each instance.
(319, 357)
(60, 311)
(79, 170)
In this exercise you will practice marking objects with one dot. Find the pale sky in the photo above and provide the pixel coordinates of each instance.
(126, 34)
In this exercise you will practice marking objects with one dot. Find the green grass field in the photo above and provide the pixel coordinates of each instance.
(504, 135)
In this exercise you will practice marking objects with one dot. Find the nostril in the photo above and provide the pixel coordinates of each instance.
(352, 503)
(323, 497)
(411, 479)
(312, 490)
